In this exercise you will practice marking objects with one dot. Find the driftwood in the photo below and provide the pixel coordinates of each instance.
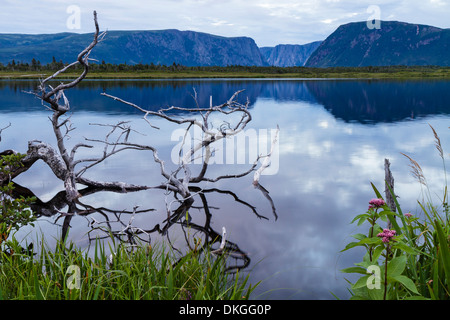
(63, 162)
(180, 180)
(105, 223)
(180, 183)
(66, 166)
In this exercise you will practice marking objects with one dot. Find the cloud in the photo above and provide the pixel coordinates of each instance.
(268, 22)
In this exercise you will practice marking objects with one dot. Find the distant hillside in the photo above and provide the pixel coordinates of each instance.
(395, 43)
(289, 55)
(188, 48)
(351, 45)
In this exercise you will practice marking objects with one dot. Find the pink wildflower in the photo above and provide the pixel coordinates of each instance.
(376, 203)
(408, 215)
(386, 235)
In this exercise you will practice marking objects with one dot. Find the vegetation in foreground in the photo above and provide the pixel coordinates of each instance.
(67, 272)
(143, 273)
(104, 70)
(409, 259)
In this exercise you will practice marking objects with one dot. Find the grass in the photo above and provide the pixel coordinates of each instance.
(144, 273)
(262, 72)
(417, 262)
(432, 236)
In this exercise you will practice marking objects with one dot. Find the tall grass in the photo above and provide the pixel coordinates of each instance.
(421, 245)
(430, 235)
(144, 273)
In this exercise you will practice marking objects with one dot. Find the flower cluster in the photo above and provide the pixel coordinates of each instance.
(376, 203)
(386, 235)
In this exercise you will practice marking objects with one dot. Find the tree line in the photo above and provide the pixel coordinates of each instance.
(36, 65)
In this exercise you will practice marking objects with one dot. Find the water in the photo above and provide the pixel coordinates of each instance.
(334, 136)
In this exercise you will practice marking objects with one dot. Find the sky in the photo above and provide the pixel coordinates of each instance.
(268, 22)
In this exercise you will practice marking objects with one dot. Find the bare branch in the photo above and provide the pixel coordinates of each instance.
(61, 160)
(210, 135)
(83, 60)
(1, 130)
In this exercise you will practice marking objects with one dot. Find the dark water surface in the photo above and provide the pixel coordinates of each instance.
(334, 137)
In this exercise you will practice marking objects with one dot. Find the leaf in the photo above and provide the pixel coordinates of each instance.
(377, 252)
(359, 236)
(359, 217)
(362, 282)
(372, 240)
(444, 251)
(417, 298)
(407, 282)
(377, 294)
(396, 266)
(361, 221)
(97, 292)
(387, 213)
(354, 270)
(360, 294)
(363, 242)
(170, 284)
(365, 263)
(376, 191)
(37, 288)
(403, 246)
(350, 245)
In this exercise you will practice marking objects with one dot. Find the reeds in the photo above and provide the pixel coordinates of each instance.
(416, 170)
(417, 262)
(144, 273)
(431, 236)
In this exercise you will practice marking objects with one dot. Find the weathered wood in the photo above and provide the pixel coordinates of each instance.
(389, 181)
(38, 150)
(62, 161)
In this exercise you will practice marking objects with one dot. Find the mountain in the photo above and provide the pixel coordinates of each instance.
(289, 55)
(395, 43)
(188, 48)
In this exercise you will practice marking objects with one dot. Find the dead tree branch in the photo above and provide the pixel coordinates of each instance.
(61, 159)
(1, 130)
(180, 180)
(210, 133)
(52, 96)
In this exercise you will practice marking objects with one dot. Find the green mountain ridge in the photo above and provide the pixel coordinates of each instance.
(188, 48)
(350, 45)
(394, 43)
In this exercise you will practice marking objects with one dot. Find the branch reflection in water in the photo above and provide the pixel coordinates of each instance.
(198, 236)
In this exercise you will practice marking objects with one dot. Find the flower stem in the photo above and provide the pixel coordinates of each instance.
(385, 272)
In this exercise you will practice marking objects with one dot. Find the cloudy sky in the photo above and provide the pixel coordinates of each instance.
(268, 22)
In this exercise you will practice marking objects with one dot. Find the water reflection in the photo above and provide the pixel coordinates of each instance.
(107, 223)
(381, 101)
(370, 101)
(334, 136)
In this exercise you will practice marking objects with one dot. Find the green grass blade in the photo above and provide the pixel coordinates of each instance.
(37, 288)
(444, 251)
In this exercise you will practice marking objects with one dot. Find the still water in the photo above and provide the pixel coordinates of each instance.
(333, 139)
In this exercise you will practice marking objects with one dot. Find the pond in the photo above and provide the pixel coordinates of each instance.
(333, 138)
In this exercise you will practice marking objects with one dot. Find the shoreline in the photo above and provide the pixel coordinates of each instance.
(438, 74)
